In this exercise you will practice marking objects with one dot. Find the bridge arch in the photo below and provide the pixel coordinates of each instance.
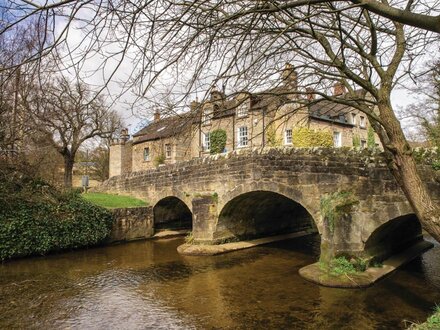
(171, 213)
(261, 213)
(394, 236)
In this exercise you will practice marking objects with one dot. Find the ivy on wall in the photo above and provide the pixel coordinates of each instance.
(371, 143)
(218, 141)
(356, 141)
(271, 136)
(304, 137)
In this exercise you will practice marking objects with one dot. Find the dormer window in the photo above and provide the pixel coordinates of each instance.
(207, 116)
(242, 109)
(353, 119)
(362, 123)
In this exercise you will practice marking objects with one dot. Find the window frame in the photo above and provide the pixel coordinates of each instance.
(337, 142)
(288, 136)
(146, 155)
(353, 119)
(242, 139)
(168, 148)
(206, 141)
(242, 110)
(207, 116)
(362, 122)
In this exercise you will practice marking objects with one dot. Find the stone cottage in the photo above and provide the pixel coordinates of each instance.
(274, 117)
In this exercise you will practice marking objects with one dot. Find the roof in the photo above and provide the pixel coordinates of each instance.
(330, 111)
(165, 127)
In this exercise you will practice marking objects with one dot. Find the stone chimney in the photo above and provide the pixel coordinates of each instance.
(194, 105)
(338, 89)
(216, 95)
(310, 93)
(290, 76)
(124, 135)
(156, 116)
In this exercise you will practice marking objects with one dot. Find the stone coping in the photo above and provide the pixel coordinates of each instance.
(314, 274)
(210, 250)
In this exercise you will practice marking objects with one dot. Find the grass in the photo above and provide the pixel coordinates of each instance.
(113, 201)
(432, 323)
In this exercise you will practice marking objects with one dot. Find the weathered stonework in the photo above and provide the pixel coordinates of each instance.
(131, 224)
(208, 185)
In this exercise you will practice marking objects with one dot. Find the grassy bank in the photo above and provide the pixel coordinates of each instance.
(432, 323)
(36, 218)
(113, 201)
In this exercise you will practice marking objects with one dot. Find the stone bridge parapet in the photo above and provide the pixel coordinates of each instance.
(224, 192)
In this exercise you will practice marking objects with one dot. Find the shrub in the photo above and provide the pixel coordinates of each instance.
(307, 138)
(159, 159)
(38, 219)
(218, 141)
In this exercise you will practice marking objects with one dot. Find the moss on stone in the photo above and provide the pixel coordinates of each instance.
(335, 206)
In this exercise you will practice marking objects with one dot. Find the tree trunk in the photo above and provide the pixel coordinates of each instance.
(68, 169)
(403, 167)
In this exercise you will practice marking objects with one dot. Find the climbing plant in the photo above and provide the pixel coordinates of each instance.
(356, 141)
(218, 141)
(371, 143)
(271, 136)
(159, 159)
(334, 206)
(305, 137)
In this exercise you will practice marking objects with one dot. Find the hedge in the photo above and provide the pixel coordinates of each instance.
(46, 220)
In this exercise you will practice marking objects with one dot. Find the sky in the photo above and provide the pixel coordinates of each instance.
(135, 116)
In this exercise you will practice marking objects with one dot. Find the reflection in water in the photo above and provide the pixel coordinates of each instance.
(148, 285)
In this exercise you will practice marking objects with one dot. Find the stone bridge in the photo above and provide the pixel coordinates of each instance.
(349, 197)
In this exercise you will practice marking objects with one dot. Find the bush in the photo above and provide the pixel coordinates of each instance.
(159, 160)
(218, 141)
(37, 219)
(304, 137)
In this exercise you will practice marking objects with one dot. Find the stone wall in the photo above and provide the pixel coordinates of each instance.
(131, 224)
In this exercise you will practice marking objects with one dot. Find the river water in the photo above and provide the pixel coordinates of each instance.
(148, 285)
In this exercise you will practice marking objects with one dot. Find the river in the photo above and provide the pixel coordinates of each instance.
(148, 285)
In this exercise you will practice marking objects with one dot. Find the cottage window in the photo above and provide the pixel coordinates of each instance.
(288, 136)
(206, 141)
(362, 123)
(242, 138)
(168, 150)
(337, 139)
(146, 154)
(353, 119)
(207, 116)
(242, 110)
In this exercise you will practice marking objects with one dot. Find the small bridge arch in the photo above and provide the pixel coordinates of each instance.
(171, 213)
(261, 213)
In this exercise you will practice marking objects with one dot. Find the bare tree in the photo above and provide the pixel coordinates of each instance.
(68, 114)
(243, 45)
(426, 109)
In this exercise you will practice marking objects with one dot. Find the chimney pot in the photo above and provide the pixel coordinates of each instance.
(156, 116)
(310, 93)
(338, 88)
